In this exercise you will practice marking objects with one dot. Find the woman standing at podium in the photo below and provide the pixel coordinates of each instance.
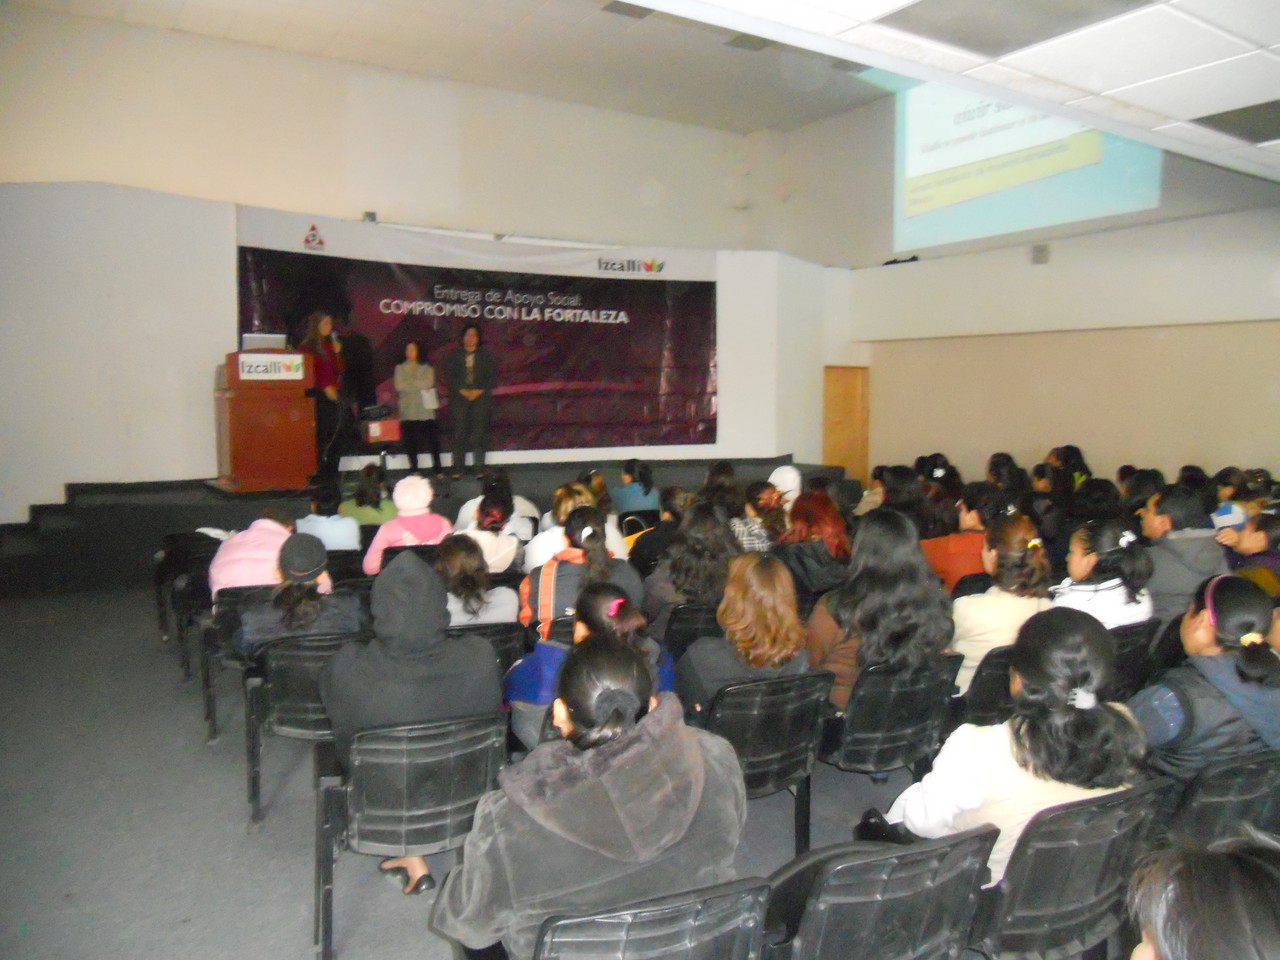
(322, 344)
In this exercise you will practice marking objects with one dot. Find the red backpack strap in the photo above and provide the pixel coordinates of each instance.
(547, 593)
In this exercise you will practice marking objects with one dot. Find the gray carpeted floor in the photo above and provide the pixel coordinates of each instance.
(127, 834)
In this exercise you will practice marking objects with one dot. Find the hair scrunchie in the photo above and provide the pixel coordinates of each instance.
(1082, 699)
(624, 701)
(616, 605)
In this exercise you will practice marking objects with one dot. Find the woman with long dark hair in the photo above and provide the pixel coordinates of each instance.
(1063, 742)
(322, 344)
(630, 804)
(891, 610)
(695, 567)
(637, 491)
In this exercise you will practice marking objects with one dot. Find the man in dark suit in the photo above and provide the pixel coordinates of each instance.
(472, 374)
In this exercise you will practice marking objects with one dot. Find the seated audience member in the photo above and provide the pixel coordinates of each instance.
(551, 541)
(763, 637)
(460, 564)
(251, 557)
(370, 505)
(1182, 548)
(551, 590)
(637, 491)
(960, 554)
(891, 609)
(938, 515)
(412, 671)
(1062, 743)
(523, 514)
(1192, 477)
(902, 492)
(297, 608)
(789, 484)
(1216, 903)
(1225, 700)
(593, 479)
(415, 524)
(602, 610)
(501, 549)
(815, 548)
(1255, 544)
(648, 549)
(1015, 557)
(1010, 479)
(1072, 461)
(721, 488)
(694, 569)
(1142, 485)
(874, 494)
(1095, 499)
(631, 804)
(763, 520)
(1123, 473)
(1107, 570)
(335, 532)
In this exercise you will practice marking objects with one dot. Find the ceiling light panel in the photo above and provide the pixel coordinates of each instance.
(1226, 85)
(1150, 43)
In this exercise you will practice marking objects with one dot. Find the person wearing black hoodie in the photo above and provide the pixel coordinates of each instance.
(411, 672)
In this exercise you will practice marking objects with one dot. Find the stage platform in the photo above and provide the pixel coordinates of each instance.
(108, 534)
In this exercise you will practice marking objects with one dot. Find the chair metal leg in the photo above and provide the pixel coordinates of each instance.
(253, 712)
(327, 824)
(179, 636)
(802, 816)
(207, 667)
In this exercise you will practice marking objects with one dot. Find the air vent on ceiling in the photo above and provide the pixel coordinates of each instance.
(626, 10)
(746, 41)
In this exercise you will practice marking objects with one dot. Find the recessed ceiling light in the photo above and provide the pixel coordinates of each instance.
(626, 10)
(747, 41)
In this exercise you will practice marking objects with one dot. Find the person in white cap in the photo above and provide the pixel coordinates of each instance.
(414, 524)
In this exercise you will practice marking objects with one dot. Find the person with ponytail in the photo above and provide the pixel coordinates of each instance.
(1015, 557)
(491, 531)
(1063, 743)
(637, 491)
(1107, 569)
(631, 804)
(460, 563)
(1224, 701)
(551, 591)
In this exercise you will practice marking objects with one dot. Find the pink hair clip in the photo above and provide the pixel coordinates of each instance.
(1208, 602)
(615, 607)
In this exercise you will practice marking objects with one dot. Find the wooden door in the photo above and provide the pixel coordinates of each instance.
(845, 402)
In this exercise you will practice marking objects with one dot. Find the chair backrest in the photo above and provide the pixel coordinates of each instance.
(293, 666)
(774, 727)
(988, 701)
(724, 922)
(230, 601)
(1063, 890)
(634, 521)
(1134, 663)
(1244, 789)
(913, 902)
(1166, 649)
(690, 622)
(510, 641)
(425, 551)
(344, 564)
(893, 718)
(512, 577)
(414, 789)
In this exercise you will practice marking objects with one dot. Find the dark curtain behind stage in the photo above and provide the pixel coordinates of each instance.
(582, 361)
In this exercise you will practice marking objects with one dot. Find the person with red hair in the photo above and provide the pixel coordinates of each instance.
(815, 548)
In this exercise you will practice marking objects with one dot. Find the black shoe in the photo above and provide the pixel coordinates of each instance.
(425, 882)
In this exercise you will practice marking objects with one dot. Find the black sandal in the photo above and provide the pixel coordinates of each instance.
(425, 882)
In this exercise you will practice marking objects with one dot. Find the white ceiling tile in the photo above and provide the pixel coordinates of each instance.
(910, 47)
(1044, 89)
(996, 73)
(800, 15)
(1151, 42)
(1256, 20)
(863, 9)
(1124, 112)
(1201, 136)
(205, 18)
(1241, 82)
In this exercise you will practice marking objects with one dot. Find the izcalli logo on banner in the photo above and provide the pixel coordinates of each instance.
(313, 240)
(607, 265)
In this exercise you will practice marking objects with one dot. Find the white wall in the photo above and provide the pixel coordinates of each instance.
(117, 305)
(83, 99)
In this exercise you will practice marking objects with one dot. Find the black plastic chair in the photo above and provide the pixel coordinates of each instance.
(724, 922)
(988, 701)
(510, 641)
(1134, 663)
(1241, 790)
(689, 622)
(367, 532)
(182, 588)
(1063, 890)
(425, 551)
(412, 791)
(344, 564)
(914, 902)
(971, 584)
(511, 577)
(215, 644)
(284, 699)
(774, 727)
(893, 719)
(636, 521)
(1167, 651)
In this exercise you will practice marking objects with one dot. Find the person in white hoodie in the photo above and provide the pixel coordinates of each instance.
(1107, 570)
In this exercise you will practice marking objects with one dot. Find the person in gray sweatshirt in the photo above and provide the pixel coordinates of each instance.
(1183, 550)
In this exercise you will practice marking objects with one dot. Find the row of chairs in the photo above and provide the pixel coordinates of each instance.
(412, 791)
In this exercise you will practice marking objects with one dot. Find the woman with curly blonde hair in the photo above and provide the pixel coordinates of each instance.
(763, 636)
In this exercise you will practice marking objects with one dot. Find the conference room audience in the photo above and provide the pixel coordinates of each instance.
(551, 540)
(1015, 557)
(251, 557)
(414, 524)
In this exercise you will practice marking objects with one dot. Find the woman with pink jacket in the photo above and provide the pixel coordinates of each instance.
(413, 525)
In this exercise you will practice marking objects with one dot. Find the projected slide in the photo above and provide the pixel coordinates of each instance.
(969, 166)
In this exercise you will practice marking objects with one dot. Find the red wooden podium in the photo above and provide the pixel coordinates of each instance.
(266, 421)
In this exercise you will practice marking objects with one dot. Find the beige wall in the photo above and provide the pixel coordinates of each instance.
(1154, 397)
